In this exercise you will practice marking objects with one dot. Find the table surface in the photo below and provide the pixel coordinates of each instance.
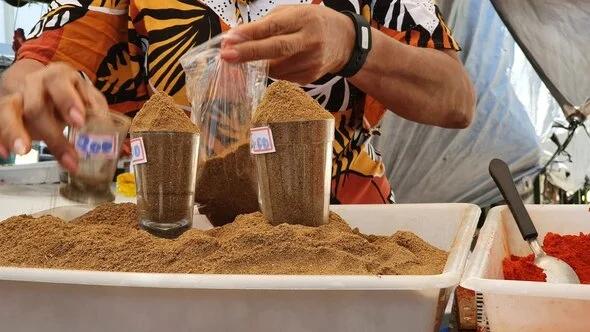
(29, 199)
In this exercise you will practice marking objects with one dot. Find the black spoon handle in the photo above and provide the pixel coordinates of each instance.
(501, 175)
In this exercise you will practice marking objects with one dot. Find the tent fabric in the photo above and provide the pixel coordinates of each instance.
(514, 115)
(555, 36)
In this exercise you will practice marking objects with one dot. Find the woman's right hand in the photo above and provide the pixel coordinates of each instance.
(47, 100)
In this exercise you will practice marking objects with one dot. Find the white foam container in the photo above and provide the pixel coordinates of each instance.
(63, 300)
(523, 305)
(35, 173)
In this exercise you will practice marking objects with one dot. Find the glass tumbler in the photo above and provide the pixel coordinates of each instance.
(294, 181)
(165, 181)
(98, 144)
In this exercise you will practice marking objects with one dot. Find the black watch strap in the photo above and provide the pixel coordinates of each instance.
(362, 45)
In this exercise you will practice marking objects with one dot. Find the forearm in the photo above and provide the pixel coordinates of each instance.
(13, 78)
(422, 85)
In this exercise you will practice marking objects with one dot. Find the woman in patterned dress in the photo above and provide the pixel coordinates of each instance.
(126, 49)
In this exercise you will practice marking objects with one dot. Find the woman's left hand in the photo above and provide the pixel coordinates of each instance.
(302, 42)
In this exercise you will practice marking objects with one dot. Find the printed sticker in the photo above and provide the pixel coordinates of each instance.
(138, 155)
(261, 141)
(96, 146)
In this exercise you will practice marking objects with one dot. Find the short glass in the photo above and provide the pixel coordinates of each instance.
(165, 181)
(98, 144)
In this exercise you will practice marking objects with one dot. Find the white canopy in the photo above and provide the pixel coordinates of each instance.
(515, 113)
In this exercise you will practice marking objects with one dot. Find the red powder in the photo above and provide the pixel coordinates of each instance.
(522, 268)
(573, 249)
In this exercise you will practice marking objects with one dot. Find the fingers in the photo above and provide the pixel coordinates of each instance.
(269, 48)
(51, 131)
(54, 96)
(280, 21)
(271, 37)
(34, 98)
(302, 68)
(97, 103)
(65, 95)
(51, 96)
(13, 136)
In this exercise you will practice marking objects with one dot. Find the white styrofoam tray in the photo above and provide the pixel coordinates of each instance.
(35, 173)
(66, 300)
(510, 305)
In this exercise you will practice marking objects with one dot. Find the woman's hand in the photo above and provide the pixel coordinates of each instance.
(40, 107)
(305, 42)
(302, 42)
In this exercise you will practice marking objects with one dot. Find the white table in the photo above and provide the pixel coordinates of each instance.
(28, 199)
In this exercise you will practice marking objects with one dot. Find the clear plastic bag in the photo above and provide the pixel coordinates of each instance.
(223, 97)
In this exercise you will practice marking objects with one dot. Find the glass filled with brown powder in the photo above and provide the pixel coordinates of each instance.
(294, 181)
(97, 144)
(164, 147)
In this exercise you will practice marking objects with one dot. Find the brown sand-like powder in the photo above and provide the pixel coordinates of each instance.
(284, 102)
(107, 239)
(160, 113)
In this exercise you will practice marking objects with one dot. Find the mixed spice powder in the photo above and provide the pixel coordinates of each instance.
(286, 102)
(109, 239)
(160, 113)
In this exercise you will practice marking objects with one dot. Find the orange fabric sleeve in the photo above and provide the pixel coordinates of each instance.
(82, 42)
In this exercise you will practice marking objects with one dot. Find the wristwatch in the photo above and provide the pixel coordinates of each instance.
(362, 45)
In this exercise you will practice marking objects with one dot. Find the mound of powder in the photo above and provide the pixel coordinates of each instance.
(572, 249)
(160, 113)
(285, 102)
(107, 239)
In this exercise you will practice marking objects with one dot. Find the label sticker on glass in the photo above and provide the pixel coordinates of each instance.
(96, 145)
(138, 155)
(261, 140)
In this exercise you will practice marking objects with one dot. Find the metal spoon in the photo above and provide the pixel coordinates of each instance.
(556, 270)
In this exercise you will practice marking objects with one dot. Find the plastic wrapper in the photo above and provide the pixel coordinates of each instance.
(223, 97)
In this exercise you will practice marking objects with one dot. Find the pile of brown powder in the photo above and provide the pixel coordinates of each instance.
(107, 239)
(284, 102)
(160, 113)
